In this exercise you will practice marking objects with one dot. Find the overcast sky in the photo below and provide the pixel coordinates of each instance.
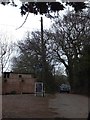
(11, 19)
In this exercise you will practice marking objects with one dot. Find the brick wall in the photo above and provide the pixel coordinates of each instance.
(19, 83)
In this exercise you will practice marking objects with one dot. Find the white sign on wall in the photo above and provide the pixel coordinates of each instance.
(39, 89)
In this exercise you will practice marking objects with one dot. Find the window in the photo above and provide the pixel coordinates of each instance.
(6, 74)
(5, 80)
(20, 76)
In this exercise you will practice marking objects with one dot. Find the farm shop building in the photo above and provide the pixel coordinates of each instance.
(17, 83)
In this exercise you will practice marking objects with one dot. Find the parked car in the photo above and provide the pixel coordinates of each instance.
(65, 88)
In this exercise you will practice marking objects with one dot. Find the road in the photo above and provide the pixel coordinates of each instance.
(50, 106)
(70, 106)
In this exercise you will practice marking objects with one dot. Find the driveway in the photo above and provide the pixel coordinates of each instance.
(50, 106)
(70, 106)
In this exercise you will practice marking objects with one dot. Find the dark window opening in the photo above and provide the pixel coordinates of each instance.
(20, 76)
(22, 80)
(5, 80)
(6, 75)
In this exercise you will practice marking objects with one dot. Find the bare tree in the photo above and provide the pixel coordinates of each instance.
(35, 57)
(70, 35)
(6, 49)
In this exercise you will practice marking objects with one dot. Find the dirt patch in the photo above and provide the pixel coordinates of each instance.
(26, 106)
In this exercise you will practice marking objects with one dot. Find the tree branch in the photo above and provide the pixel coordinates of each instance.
(23, 22)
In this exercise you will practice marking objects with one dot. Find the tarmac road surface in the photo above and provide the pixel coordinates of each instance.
(61, 105)
(70, 106)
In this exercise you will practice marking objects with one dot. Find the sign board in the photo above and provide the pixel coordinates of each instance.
(39, 89)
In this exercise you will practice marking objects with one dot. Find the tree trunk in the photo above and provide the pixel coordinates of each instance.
(70, 72)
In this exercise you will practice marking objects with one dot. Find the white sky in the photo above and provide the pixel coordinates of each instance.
(10, 19)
